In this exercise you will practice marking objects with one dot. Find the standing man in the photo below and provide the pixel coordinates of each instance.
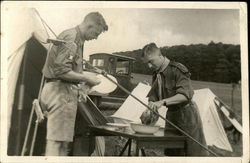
(172, 88)
(63, 71)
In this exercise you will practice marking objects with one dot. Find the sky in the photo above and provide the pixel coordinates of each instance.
(132, 28)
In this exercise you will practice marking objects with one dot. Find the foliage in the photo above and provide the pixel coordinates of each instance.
(216, 62)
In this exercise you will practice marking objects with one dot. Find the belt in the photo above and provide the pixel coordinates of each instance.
(60, 80)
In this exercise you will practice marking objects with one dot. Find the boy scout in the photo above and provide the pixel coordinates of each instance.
(172, 88)
(63, 71)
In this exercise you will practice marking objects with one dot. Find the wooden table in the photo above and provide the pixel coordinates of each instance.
(160, 139)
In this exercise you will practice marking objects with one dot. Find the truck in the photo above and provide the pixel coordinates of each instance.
(118, 66)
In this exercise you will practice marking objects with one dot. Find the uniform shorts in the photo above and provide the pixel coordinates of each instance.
(59, 99)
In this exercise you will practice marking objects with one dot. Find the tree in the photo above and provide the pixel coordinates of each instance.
(216, 62)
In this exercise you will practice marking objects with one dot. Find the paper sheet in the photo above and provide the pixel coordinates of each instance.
(131, 109)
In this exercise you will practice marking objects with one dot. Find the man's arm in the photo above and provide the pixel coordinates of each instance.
(63, 65)
(176, 99)
(184, 90)
(78, 77)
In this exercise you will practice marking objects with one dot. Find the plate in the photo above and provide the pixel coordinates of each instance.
(118, 124)
(105, 86)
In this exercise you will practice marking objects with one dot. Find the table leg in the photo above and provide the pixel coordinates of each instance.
(143, 152)
(90, 145)
(129, 147)
(136, 149)
(124, 148)
(185, 148)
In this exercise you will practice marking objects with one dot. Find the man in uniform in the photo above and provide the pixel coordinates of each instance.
(63, 70)
(172, 88)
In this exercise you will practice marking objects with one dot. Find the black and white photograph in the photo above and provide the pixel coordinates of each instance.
(137, 81)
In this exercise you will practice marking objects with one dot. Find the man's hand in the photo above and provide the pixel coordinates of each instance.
(83, 90)
(99, 71)
(149, 117)
(156, 104)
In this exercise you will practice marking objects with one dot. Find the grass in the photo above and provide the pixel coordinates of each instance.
(223, 91)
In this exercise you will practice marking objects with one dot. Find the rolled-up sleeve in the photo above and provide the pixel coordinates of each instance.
(63, 62)
(183, 85)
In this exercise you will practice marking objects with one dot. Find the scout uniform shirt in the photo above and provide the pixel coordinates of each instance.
(175, 79)
(59, 97)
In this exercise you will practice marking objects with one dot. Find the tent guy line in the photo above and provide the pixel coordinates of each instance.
(129, 93)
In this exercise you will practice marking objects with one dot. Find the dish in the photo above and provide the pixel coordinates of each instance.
(144, 129)
(105, 86)
(118, 124)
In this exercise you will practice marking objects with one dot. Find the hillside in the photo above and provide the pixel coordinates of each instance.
(216, 62)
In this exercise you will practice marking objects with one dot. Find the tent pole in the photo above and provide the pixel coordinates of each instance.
(232, 95)
(37, 123)
(33, 139)
(28, 131)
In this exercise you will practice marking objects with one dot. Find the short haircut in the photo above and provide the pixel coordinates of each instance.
(97, 19)
(149, 49)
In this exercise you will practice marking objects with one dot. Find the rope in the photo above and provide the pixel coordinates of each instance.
(44, 22)
(129, 93)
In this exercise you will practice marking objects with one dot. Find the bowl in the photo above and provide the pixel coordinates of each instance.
(144, 129)
(118, 125)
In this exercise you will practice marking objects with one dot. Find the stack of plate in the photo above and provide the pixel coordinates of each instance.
(116, 126)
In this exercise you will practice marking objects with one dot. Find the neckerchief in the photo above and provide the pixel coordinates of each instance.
(159, 78)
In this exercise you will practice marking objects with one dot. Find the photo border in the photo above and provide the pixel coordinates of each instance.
(242, 6)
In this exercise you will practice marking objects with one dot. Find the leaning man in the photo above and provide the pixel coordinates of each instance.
(63, 70)
(172, 87)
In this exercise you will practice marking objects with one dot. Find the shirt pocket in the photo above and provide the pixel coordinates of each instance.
(77, 63)
(170, 88)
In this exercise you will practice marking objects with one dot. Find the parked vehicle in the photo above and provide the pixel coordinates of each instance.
(120, 67)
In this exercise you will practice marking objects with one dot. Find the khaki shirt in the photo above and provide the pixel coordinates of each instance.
(59, 98)
(175, 80)
(67, 57)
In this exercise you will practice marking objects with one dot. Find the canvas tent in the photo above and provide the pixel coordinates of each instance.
(27, 30)
(26, 47)
(26, 56)
(215, 134)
